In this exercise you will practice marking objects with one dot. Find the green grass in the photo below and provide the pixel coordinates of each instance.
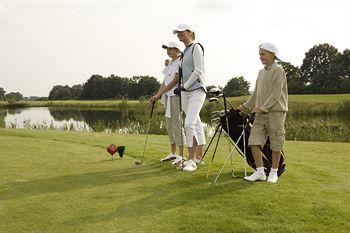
(310, 98)
(56, 181)
(319, 98)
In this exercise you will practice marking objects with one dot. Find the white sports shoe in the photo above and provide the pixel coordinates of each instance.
(177, 161)
(273, 177)
(199, 161)
(190, 166)
(256, 176)
(169, 157)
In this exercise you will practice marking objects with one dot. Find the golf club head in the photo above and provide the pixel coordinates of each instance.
(215, 91)
(217, 119)
(215, 114)
(212, 99)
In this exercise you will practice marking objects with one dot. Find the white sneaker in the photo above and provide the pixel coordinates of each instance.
(181, 164)
(256, 176)
(199, 161)
(273, 177)
(169, 157)
(177, 160)
(190, 166)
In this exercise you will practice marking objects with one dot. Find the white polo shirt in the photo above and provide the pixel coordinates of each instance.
(169, 74)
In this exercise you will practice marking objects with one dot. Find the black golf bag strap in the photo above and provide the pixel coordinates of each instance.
(200, 46)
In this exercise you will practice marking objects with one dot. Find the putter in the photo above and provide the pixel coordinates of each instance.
(139, 162)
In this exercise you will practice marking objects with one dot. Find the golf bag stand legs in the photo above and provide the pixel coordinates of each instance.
(216, 147)
(235, 145)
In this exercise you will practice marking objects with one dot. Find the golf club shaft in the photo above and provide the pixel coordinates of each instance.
(228, 128)
(149, 123)
(181, 121)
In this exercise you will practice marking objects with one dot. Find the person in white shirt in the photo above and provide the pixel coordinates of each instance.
(172, 103)
(193, 93)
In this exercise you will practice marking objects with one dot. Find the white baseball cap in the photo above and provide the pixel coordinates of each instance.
(271, 48)
(172, 44)
(182, 27)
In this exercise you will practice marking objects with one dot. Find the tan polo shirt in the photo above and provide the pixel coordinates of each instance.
(271, 92)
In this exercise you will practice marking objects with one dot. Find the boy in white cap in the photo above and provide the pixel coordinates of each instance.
(270, 103)
(171, 102)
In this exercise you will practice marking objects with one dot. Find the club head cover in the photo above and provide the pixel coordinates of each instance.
(112, 149)
(121, 150)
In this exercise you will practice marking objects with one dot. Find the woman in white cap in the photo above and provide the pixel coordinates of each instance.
(193, 93)
(270, 103)
(172, 102)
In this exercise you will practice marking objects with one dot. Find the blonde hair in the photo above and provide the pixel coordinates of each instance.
(193, 35)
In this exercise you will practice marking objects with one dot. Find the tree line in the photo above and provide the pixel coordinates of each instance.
(14, 96)
(324, 70)
(112, 87)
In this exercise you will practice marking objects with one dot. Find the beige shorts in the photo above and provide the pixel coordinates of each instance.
(268, 125)
(173, 124)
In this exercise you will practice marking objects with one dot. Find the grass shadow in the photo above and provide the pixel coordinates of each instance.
(36, 187)
(165, 197)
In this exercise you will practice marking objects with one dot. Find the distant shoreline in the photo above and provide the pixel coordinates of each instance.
(307, 98)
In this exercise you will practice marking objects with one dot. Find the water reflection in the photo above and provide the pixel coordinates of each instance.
(134, 120)
(3, 114)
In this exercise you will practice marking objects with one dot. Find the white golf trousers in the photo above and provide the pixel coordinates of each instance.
(192, 103)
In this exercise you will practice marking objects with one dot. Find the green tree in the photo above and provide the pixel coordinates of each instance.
(2, 94)
(148, 85)
(142, 86)
(340, 71)
(316, 68)
(76, 91)
(295, 84)
(237, 86)
(117, 86)
(60, 92)
(15, 96)
(94, 88)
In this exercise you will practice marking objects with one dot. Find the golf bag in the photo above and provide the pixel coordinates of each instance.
(236, 124)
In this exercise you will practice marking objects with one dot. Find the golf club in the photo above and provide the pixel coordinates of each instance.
(181, 127)
(215, 91)
(139, 162)
(213, 99)
(216, 98)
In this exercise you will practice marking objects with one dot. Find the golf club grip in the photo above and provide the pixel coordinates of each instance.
(152, 110)
(225, 105)
(252, 117)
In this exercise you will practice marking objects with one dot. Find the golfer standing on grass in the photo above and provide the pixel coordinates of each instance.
(192, 91)
(172, 102)
(270, 103)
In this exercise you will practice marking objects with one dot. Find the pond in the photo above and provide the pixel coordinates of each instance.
(135, 120)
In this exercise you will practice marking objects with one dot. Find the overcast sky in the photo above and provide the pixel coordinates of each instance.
(47, 43)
